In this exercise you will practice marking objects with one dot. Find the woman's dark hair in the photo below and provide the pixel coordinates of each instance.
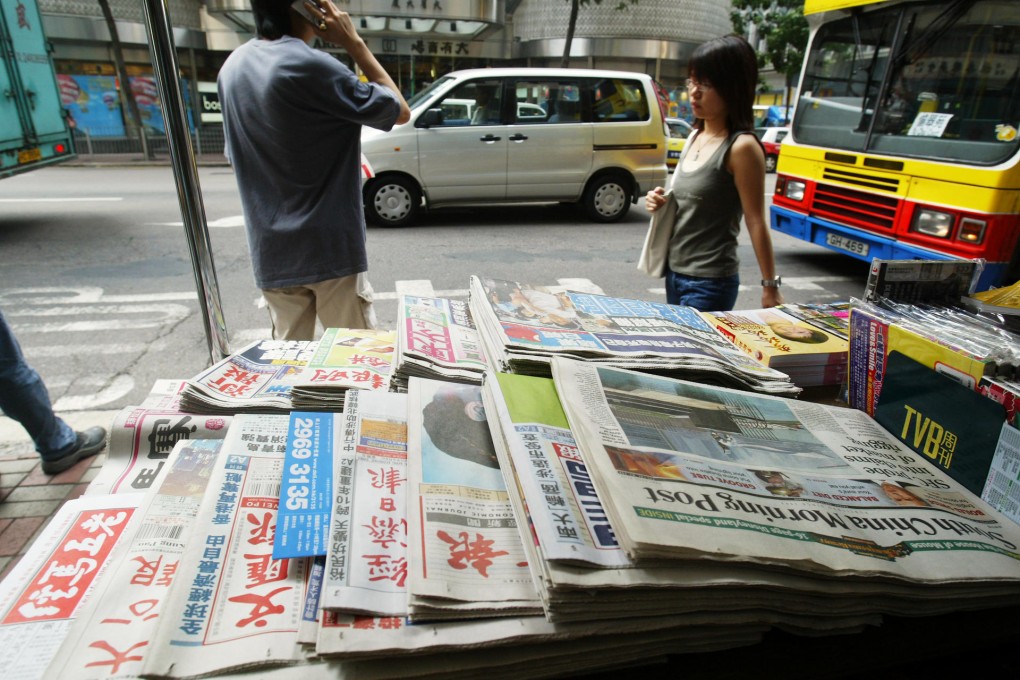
(272, 18)
(730, 65)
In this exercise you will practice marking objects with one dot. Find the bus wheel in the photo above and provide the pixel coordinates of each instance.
(392, 201)
(607, 198)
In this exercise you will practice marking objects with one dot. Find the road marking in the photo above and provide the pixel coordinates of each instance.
(160, 315)
(51, 351)
(83, 199)
(85, 296)
(120, 387)
(222, 223)
(580, 285)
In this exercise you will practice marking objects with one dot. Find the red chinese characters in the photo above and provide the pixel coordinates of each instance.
(57, 589)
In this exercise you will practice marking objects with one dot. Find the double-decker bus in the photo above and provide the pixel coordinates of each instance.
(904, 141)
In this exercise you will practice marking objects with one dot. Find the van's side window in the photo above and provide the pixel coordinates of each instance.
(549, 101)
(618, 99)
(475, 103)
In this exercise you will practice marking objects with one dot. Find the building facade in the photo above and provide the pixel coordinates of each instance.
(416, 40)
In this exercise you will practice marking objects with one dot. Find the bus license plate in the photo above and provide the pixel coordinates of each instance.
(30, 155)
(847, 244)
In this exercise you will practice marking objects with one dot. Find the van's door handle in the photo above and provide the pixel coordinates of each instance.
(490, 138)
(517, 138)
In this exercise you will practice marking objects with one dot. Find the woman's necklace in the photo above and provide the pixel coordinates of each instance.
(697, 152)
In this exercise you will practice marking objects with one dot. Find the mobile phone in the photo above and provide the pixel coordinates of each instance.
(315, 20)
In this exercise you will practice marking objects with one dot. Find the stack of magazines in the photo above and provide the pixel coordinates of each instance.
(256, 379)
(523, 327)
(809, 355)
(832, 317)
(436, 338)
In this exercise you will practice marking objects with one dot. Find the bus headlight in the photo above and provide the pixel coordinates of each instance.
(794, 190)
(932, 223)
(971, 230)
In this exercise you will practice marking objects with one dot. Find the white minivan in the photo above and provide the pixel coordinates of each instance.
(511, 135)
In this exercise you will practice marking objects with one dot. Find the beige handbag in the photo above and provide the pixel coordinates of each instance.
(654, 259)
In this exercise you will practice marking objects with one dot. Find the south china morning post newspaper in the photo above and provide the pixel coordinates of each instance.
(773, 481)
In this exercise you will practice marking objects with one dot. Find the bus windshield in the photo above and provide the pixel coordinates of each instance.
(933, 80)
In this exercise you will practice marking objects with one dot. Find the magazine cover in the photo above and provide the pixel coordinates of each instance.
(779, 340)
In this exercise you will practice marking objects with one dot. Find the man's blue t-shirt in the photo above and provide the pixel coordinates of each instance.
(292, 118)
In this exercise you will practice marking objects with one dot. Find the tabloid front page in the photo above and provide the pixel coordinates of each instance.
(231, 605)
(687, 470)
(463, 535)
(366, 565)
(344, 359)
(111, 637)
(258, 379)
(437, 339)
(50, 585)
(566, 514)
(140, 441)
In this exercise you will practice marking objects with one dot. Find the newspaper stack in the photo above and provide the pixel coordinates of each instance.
(436, 338)
(344, 359)
(686, 471)
(769, 546)
(809, 355)
(522, 327)
(582, 572)
(257, 379)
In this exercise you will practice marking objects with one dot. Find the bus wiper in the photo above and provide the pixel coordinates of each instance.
(934, 32)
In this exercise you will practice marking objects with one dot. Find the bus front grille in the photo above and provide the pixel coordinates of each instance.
(856, 208)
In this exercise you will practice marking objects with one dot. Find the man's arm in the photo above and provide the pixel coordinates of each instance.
(340, 31)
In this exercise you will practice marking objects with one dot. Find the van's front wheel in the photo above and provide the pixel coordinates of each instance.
(607, 198)
(392, 201)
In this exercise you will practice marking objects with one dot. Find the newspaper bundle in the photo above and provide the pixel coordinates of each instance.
(141, 440)
(257, 379)
(49, 587)
(231, 606)
(437, 338)
(344, 359)
(523, 326)
(464, 551)
(366, 560)
(688, 471)
(583, 574)
(110, 637)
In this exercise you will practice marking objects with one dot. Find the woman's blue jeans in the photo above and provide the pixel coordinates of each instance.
(702, 293)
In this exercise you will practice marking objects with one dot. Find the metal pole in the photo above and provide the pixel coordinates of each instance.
(189, 193)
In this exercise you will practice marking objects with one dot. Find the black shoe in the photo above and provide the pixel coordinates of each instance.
(90, 442)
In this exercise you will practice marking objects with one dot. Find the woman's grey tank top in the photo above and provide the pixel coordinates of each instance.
(704, 241)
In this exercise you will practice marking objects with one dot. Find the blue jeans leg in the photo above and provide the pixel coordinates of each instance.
(702, 293)
(23, 397)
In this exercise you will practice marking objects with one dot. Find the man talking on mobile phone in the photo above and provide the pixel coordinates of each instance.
(292, 118)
